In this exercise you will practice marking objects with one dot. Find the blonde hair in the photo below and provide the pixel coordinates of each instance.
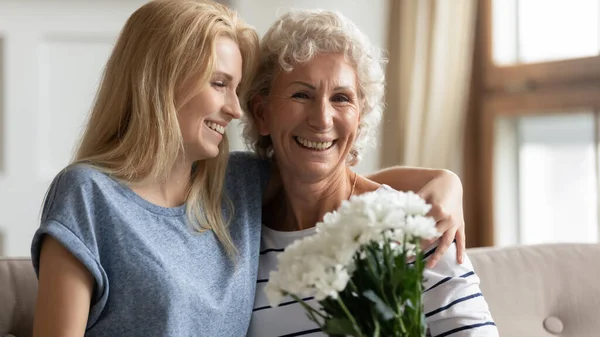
(297, 37)
(133, 133)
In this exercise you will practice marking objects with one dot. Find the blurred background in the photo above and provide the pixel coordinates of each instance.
(506, 93)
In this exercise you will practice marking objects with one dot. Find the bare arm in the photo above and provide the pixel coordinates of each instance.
(64, 294)
(404, 178)
(443, 190)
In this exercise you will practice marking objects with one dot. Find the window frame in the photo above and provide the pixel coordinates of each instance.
(531, 75)
(516, 90)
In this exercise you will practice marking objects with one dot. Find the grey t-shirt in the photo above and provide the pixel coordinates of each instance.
(153, 275)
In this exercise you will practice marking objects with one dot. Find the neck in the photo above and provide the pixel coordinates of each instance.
(304, 203)
(170, 192)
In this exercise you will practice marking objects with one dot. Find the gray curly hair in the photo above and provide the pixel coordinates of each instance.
(297, 37)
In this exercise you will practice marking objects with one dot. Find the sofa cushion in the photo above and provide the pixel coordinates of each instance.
(18, 290)
(541, 290)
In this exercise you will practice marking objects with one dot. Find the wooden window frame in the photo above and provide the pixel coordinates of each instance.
(531, 75)
(518, 90)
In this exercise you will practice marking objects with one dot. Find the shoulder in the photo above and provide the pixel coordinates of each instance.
(80, 175)
(364, 184)
(76, 187)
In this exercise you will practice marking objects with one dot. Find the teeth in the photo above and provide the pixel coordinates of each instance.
(219, 128)
(314, 145)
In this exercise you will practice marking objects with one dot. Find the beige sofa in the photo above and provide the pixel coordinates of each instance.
(533, 291)
(18, 287)
(543, 290)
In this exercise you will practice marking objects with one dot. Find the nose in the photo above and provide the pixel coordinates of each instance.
(232, 106)
(321, 116)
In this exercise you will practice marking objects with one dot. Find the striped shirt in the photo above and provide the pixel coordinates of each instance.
(453, 303)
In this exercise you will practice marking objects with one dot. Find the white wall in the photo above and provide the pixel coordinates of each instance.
(371, 16)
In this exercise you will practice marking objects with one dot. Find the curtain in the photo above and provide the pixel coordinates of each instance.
(430, 45)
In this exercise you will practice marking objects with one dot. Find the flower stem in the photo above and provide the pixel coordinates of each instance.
(309, 309)
(350, 317)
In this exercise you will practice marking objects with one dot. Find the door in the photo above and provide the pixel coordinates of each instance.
(51, 58)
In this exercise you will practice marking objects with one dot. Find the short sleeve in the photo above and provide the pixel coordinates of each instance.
(452, 300)
(69, 216)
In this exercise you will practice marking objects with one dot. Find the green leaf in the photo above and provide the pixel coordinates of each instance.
(339, 326)
(386, 312)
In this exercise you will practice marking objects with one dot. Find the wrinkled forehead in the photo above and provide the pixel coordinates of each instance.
(321, 70)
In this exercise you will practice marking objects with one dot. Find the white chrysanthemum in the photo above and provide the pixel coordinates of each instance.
(421, 227)
(321, 265)
(274, 293)
(415, 205)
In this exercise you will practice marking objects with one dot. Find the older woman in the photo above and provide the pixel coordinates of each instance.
(313, 109)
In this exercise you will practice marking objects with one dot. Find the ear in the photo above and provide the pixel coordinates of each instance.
(258, 107)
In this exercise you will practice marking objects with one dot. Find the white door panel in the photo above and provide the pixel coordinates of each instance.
(52, 55)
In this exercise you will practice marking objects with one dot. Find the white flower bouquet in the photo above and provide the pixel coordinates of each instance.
(364, 266)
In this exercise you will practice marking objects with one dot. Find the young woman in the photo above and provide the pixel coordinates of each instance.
(115, 252)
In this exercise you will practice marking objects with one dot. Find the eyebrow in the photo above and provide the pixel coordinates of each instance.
(220, 73)
(312, 87)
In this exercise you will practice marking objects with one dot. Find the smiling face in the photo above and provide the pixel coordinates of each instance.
(312, 115)
(203, 118)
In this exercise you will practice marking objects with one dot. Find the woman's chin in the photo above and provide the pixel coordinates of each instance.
(206, 152)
